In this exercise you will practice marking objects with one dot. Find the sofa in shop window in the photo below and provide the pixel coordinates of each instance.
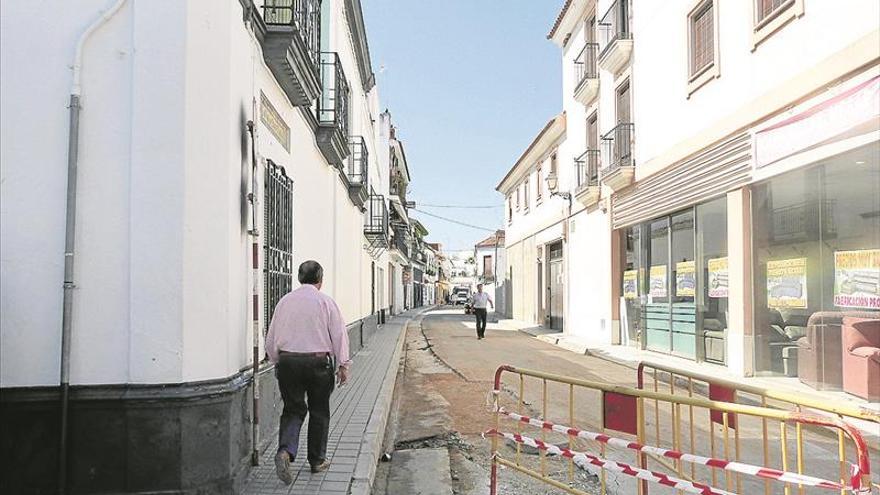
(786, 328)
(861, 357)
(820, 350)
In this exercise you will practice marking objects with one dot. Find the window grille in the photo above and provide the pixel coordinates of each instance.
(278, 239)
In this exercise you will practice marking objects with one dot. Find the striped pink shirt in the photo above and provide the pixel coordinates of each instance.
(306, 320)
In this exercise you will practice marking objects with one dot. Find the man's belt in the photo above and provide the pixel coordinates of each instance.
(304, 354)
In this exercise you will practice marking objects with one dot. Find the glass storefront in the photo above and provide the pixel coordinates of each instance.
(674, 292)
(816, 272)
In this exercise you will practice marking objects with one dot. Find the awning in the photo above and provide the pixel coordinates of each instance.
(401, 212)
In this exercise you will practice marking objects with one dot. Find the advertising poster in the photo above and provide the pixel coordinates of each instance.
(658, 281)
(630, 286)
(685, 279)
(857, 279)
(717, 277)
(787, 283)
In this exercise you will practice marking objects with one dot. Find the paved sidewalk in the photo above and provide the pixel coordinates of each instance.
(353, 407)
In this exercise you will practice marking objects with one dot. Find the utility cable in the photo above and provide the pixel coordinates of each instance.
(460, 206)
(454, 221)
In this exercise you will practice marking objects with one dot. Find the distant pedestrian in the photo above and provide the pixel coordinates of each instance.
(308, 343)
(479, 301)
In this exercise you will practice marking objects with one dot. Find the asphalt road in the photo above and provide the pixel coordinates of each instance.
(443, 400)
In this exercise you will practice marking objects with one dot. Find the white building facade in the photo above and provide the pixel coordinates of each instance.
(736, 183)
(211, 134)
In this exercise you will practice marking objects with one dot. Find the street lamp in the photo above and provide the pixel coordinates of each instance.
(552, 185)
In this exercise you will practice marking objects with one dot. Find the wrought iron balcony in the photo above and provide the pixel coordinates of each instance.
(587, 166)
(376, 221)
(586, 74)
(357, 170)
(333, 110)
(400, 240)
(587, 171)
(615, 38)
(291, 47)
(618, 157)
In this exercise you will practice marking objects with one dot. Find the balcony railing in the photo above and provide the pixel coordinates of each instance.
(400, 240)
(291, 47)
(587, 167)
(585, 64)
(358, 161)
(614, 24)
(376, 221)
(304, 16)
(617, 147)
(333, 110)
(334, 101)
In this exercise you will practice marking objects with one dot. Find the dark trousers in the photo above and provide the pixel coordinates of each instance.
(480, 313)
(306, 383)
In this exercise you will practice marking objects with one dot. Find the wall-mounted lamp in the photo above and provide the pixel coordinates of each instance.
(552, 185)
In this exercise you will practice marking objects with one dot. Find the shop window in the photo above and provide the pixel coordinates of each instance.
(669, 267)
(712, 279)
(656, 311)
(816, 239)
(632, 286)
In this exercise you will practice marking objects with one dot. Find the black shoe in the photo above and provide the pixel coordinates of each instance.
(321, 466)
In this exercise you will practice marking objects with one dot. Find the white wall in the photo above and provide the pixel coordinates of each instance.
(163, 256)
(663, 114)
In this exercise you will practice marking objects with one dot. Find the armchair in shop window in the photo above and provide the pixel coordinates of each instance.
(861, 357)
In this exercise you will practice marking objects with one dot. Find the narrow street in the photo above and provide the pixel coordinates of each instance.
(442, 405)
(442, 400)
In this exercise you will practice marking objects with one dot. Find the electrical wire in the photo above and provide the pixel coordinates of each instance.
(460, 206)
(454, 221)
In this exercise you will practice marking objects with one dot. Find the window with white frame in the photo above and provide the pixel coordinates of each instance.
(526, 194)
(703, 53)
(702, 28)
(771, 15)
(766, 9)
(538, 185)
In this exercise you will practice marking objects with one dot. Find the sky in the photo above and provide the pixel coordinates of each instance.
(469, 84)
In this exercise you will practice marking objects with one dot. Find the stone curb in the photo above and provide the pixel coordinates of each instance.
(371, 445)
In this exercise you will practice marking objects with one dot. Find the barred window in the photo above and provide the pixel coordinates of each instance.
(702, 37)
(278, 238)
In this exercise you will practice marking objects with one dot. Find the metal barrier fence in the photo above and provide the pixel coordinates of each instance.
(657, 377)
(607, 429)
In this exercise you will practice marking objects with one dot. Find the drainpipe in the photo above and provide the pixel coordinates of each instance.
(70, 238)
(255, 294)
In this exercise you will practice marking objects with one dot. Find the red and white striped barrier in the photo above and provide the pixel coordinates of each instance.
(749, 469)
(583, 459)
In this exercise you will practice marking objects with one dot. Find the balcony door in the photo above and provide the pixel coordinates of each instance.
(622, 104)
(592, 132)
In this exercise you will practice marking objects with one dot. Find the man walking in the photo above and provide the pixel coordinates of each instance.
(480, 299)
(308, 343)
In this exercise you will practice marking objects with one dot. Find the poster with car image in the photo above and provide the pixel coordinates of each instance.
(658, 281)
(857, 279)
(787, 283)
(685, 279)
(630, 287)
(718, 279)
